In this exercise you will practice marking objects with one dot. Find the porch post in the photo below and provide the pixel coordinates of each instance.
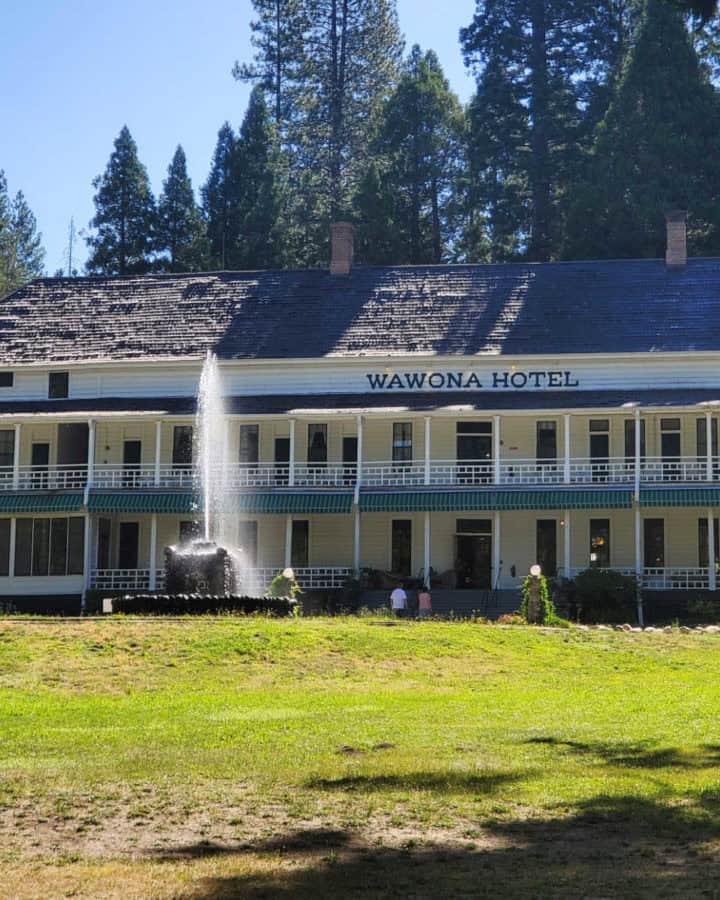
(638, 545)
(87, 563)
(16, 458)
(567, 562)
(158, 447)
(356, 539)
(497, 562)
(708, 446)
(566, 435)
(426, 550)
(496, 450)
(91, 452)
(638, 432)
(427, 449)
(288, 541)
(358, 476)
(152, 581)
(13, 540)
(291, 473)
(712, 576)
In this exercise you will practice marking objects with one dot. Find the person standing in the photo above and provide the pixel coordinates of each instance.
(424, 603)
(398, 601)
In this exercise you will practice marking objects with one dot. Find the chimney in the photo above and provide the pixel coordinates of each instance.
(676, 249)
(342, 240)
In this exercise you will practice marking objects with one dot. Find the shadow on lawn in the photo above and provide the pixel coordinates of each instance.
(610, 846)
(447, 782)
(639, 755)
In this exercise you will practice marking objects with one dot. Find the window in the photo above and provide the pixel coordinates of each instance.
(401, 547)
(670, 438)
(317, 444)
(630, 440)
(248, 541)
(189, 531)
(49, 546)
(7, 448)
(654, 543)
(600, 543)
(546, 441)
(300, 544)
(701, 433)
(599, 426)
(473, 526)
(104, 528)
(58, 385)
(703, 559)
(546, 546)
(4, 546)
(249, 444)
(6, 379)
(182, 453)
(128, 545)
(402, 442)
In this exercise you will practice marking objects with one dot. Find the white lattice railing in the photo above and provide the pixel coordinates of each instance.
(662, 578)
(125, 579)
(254, 581)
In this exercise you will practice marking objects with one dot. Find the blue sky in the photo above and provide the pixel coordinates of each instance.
(73, 72)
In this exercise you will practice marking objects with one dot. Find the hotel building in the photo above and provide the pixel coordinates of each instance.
(466, 419)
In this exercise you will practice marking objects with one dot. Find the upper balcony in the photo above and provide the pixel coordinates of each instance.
(373, 474)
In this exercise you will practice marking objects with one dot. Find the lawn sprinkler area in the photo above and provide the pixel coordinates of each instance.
(209, 757)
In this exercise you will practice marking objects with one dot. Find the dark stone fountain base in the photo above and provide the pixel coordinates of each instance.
(201, 567)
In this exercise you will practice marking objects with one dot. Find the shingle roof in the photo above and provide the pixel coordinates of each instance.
(572, 307)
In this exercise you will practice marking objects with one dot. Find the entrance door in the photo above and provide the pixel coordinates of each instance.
(132, 451)
(654, 543)
(670, 449)
(128, 545)
(473, 451)
(349, 458)
(546, 546)
(599, 449)
(473, 554)
(282, 460)
(40, 460)
(103, 544)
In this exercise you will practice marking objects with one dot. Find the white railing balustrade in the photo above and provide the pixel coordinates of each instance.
(675, 578)
(43, 478)
(125, 579)
(393, 474)
(681, 468)
(142, 477)
(254, 581)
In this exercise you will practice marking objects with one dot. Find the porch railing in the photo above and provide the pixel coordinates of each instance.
(662, 578)
(255, 580)
(125, 579)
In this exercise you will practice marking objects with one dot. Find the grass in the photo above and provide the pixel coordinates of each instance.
(228, 757)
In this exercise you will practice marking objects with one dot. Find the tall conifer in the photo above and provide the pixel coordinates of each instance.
(181, 239)
(220, 199)
(22, 256)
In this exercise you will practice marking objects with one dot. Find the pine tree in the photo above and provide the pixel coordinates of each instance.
(541, 66)
(125, 214)
(181, 237)
(420, 140)
(656, 149)
(259, 190)
(22, 256)
(220, 199)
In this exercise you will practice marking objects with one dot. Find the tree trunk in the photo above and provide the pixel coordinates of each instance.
(540, 228)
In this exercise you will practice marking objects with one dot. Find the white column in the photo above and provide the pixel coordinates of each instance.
(497, 561)
(291, 473)
(428, 456)
(87, 562)
(638, 544)
(158, 449)
(288, 541)
(359, 449)
(356, 539)
(152, 584)
(496, 449)
(712, 576)
(16, 458)
(566, 461)
(567, 552)
(638, 432)
(708, 445)
(426, 550)
(91, 452)
(13, 540)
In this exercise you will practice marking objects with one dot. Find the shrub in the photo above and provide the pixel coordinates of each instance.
(284, 585)
(199, 604)
(703, 610)
(603, 595)
(545, 613)
(511, 619)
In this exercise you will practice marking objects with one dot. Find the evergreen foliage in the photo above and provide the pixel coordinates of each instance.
(22, 256)
(180, 238)
(656, 149)
(220, 199)
(125, 215)
(406, 200)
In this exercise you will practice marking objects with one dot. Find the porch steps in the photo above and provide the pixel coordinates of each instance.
(460, 604)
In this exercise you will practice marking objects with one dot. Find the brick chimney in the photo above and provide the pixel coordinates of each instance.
(342, 244)
(676, 248)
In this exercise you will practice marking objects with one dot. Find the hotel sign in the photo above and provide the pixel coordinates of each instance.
(504, 380)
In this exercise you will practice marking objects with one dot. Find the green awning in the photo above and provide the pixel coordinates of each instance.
(41, 503)
(680, 496)
(288, 503)
(453, 501)
(142, 502)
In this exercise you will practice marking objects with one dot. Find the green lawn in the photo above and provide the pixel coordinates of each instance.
(344, 758)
